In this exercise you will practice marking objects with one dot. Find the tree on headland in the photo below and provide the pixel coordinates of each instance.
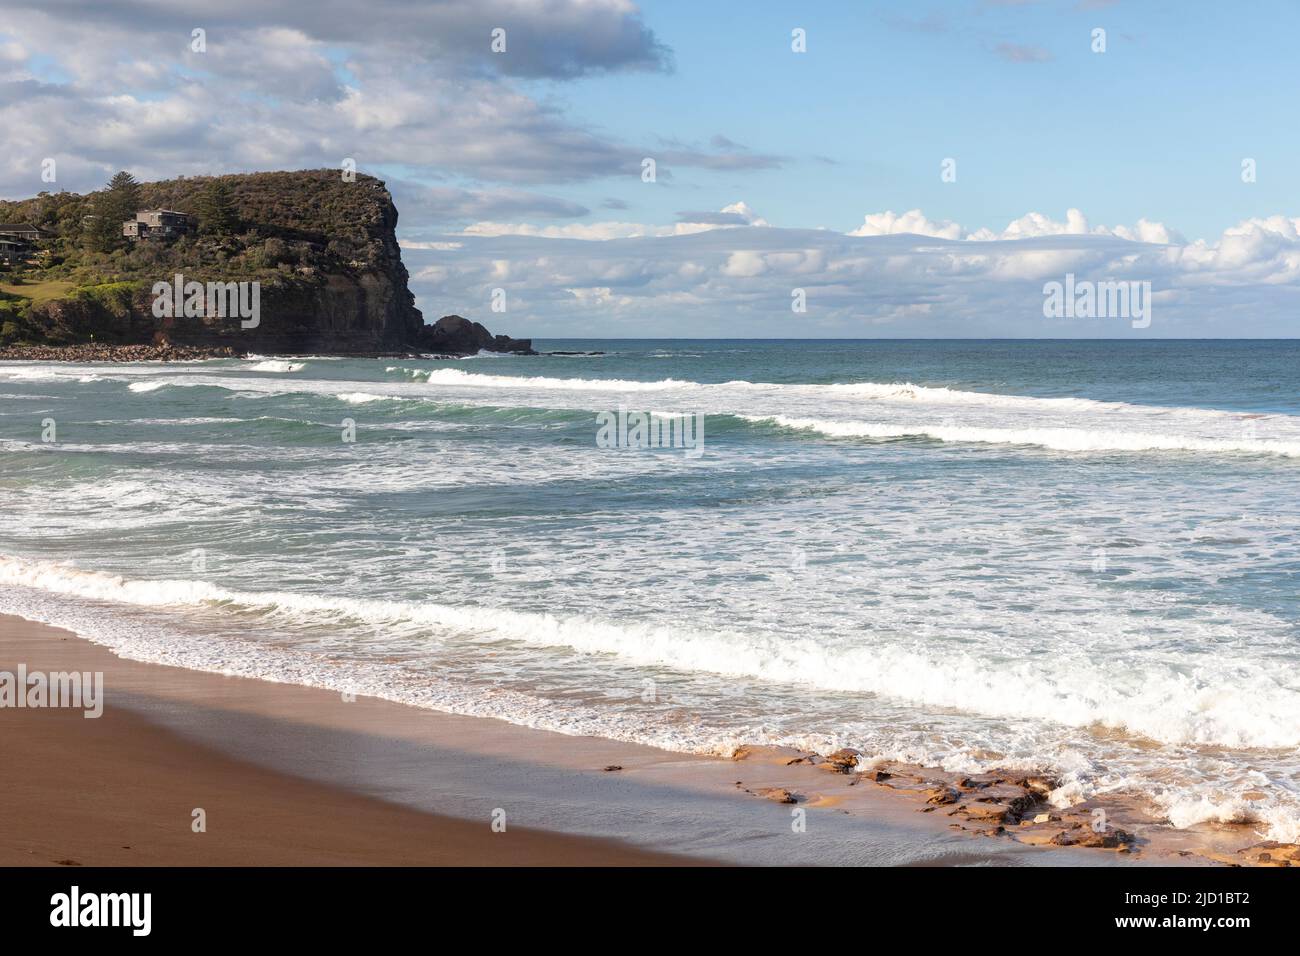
(113, 205)
(216, 209)
(126, 192)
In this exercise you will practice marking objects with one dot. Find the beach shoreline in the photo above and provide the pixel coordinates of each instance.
(296, 774)
(127, 790)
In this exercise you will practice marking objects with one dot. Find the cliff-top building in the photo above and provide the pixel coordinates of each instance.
(17, 240)
(157, 224)
(12, 251)
(21, 232)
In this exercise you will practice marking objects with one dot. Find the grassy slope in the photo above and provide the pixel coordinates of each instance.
(40, 290)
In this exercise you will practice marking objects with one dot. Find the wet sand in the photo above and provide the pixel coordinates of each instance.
(296, 775)
(120, 790)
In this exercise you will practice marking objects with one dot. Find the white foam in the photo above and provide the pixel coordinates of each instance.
(888, 392)
(1238, 706)
(1059, 439)
(899, 410)
(1187, 809)
(455, 376)
(25, 373)
(276, 365)
(940, 395)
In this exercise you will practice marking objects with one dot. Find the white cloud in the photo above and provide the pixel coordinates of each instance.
(745, 264)
(296, 85)
(12, 54)
(738, 281)
(742, 210)
(913, 221)
(1035, 224)
(1029, 226)
(1145, 231)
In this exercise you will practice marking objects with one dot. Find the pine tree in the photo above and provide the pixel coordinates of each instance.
(114, 205)
(216, 209)
(126, 193)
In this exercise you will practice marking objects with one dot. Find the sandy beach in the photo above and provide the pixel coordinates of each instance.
(120, 790)
(296, 775)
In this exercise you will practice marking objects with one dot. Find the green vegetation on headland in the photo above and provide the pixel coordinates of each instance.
(321, 247)
(39, 290)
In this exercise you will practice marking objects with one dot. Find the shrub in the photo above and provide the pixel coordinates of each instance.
(113, 297)
(275, 251)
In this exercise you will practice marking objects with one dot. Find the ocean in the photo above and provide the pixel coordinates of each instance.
(1071, 556)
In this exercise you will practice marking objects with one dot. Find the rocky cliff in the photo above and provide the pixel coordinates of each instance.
(322, 251)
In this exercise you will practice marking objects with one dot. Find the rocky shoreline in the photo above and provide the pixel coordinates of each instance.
(97, 352)
(1011, 805)
(451, 337)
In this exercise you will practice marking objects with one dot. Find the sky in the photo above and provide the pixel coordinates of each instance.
(843, 169)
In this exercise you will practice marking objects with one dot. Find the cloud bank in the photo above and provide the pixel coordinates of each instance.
(102, 85)
(898, 275)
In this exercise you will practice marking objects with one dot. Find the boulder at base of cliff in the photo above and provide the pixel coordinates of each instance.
(456, 335)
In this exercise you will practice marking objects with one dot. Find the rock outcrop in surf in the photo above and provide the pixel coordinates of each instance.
(455, 335)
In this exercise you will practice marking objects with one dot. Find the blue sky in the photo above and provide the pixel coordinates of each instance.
(778, 171)
(1155, 127)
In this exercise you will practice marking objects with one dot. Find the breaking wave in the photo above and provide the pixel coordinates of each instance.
(1058, 439)
(1237, 705)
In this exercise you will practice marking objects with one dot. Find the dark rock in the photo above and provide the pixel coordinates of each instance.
(1276, 854)
(843, 760)
(943, 795)
(456, 335)
(991, 812)
(1043, 785)
(1022, 806)
(1080, 835)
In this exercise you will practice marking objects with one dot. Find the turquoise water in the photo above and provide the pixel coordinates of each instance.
(1074, 555)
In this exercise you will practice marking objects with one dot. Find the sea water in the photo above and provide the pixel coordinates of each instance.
(1080, 557)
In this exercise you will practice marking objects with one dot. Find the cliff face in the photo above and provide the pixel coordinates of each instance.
(322, 251)
(346, 293)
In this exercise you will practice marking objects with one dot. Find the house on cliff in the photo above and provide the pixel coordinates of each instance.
(12, 252)
(21, 231)
(18, 241)
(158, 224)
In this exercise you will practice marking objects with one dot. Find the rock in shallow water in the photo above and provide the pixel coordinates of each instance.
(457, 335)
